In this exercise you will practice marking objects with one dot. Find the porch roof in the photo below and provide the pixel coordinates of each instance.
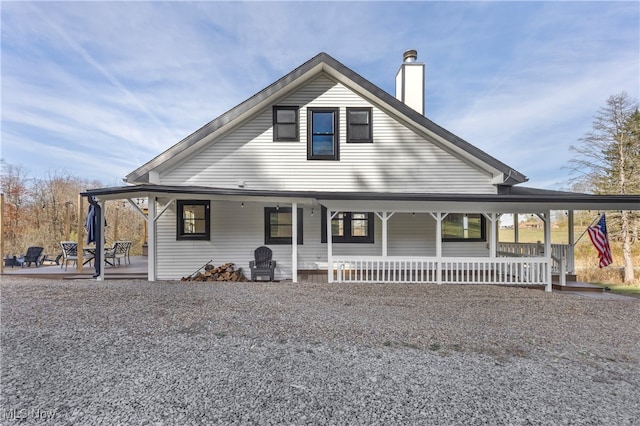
(517, 200)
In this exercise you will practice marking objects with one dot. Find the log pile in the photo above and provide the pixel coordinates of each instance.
(224, 272)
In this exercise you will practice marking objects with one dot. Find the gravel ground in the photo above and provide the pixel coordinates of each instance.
(133, 352)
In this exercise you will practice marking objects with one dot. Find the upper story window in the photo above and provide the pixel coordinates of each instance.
(464, 227)
(278, 225)
(286, 124)
(194, 220)
(349, 227)
(322, 134)
(359, 128)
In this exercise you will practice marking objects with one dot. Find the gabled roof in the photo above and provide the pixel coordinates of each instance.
(325, 63)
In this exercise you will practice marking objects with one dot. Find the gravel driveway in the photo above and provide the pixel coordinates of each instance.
(134, 352)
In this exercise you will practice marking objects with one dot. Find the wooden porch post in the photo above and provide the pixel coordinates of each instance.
(493, 245)
(438, 217)
(384, 234)
(329, 248)
(384, 217)
(570, 224)
(81, 219)
(99, 244)
(2, 233)
(516, 230)
(151, 222)
(294, 242)
(547, 247)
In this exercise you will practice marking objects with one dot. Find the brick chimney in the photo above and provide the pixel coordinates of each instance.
(410, 81)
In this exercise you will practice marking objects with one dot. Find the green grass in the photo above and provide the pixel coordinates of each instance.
(626, 290)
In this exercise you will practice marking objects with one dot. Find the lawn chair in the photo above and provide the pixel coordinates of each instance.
(262, 266)
(70, 254)
(120, 250)
(33, 256)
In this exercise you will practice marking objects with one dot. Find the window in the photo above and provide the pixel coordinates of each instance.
(278, 225)
(193, 220)
(348, 227)
(322, 137)
(359, 128)
(285, 124)
(463, 227)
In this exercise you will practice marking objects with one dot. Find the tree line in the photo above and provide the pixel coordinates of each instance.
(607, 161)
(44, 211)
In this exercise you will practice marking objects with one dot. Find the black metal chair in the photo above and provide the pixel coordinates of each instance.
(263, 265)
(70, 254)
(33, 256)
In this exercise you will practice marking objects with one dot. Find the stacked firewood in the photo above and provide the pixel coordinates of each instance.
(224, 272)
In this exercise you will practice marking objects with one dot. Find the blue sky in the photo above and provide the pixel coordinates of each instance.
(96, 89)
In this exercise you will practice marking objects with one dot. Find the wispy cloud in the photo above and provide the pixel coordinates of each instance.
(99, 88)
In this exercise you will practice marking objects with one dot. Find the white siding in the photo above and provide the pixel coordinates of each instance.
(236, 231)
(398, 161)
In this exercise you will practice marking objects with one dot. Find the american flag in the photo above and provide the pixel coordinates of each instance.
(600, 239)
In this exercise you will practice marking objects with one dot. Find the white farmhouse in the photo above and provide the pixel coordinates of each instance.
(403, 199)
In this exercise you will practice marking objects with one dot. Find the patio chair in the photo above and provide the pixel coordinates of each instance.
(33, 256)
(122, 252)
(262, 266)
(70, 254)
(119, 250)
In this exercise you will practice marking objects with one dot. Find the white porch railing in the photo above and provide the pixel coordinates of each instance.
(449, 270)
(559, 252)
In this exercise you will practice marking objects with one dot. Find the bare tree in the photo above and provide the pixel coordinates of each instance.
(607, 161)
(14, 184)
(44, 211)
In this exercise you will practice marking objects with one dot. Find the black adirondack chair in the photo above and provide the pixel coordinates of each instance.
(263, 265)
(33, 256)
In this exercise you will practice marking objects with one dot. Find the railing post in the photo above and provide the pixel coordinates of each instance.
(563, 272)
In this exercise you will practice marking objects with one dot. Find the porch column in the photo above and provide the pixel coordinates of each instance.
(493, 244)
(384, 234)
(516, 231)
(384, 217)
(99, 244)
(329, 248)
(81, 220)
(1, 232)
(151, 238)
(547, 247)
(294, 242)
(572, 242)
(438, 217)
(570, 223)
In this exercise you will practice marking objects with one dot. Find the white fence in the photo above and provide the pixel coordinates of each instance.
(450, 270)
(559, 253)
